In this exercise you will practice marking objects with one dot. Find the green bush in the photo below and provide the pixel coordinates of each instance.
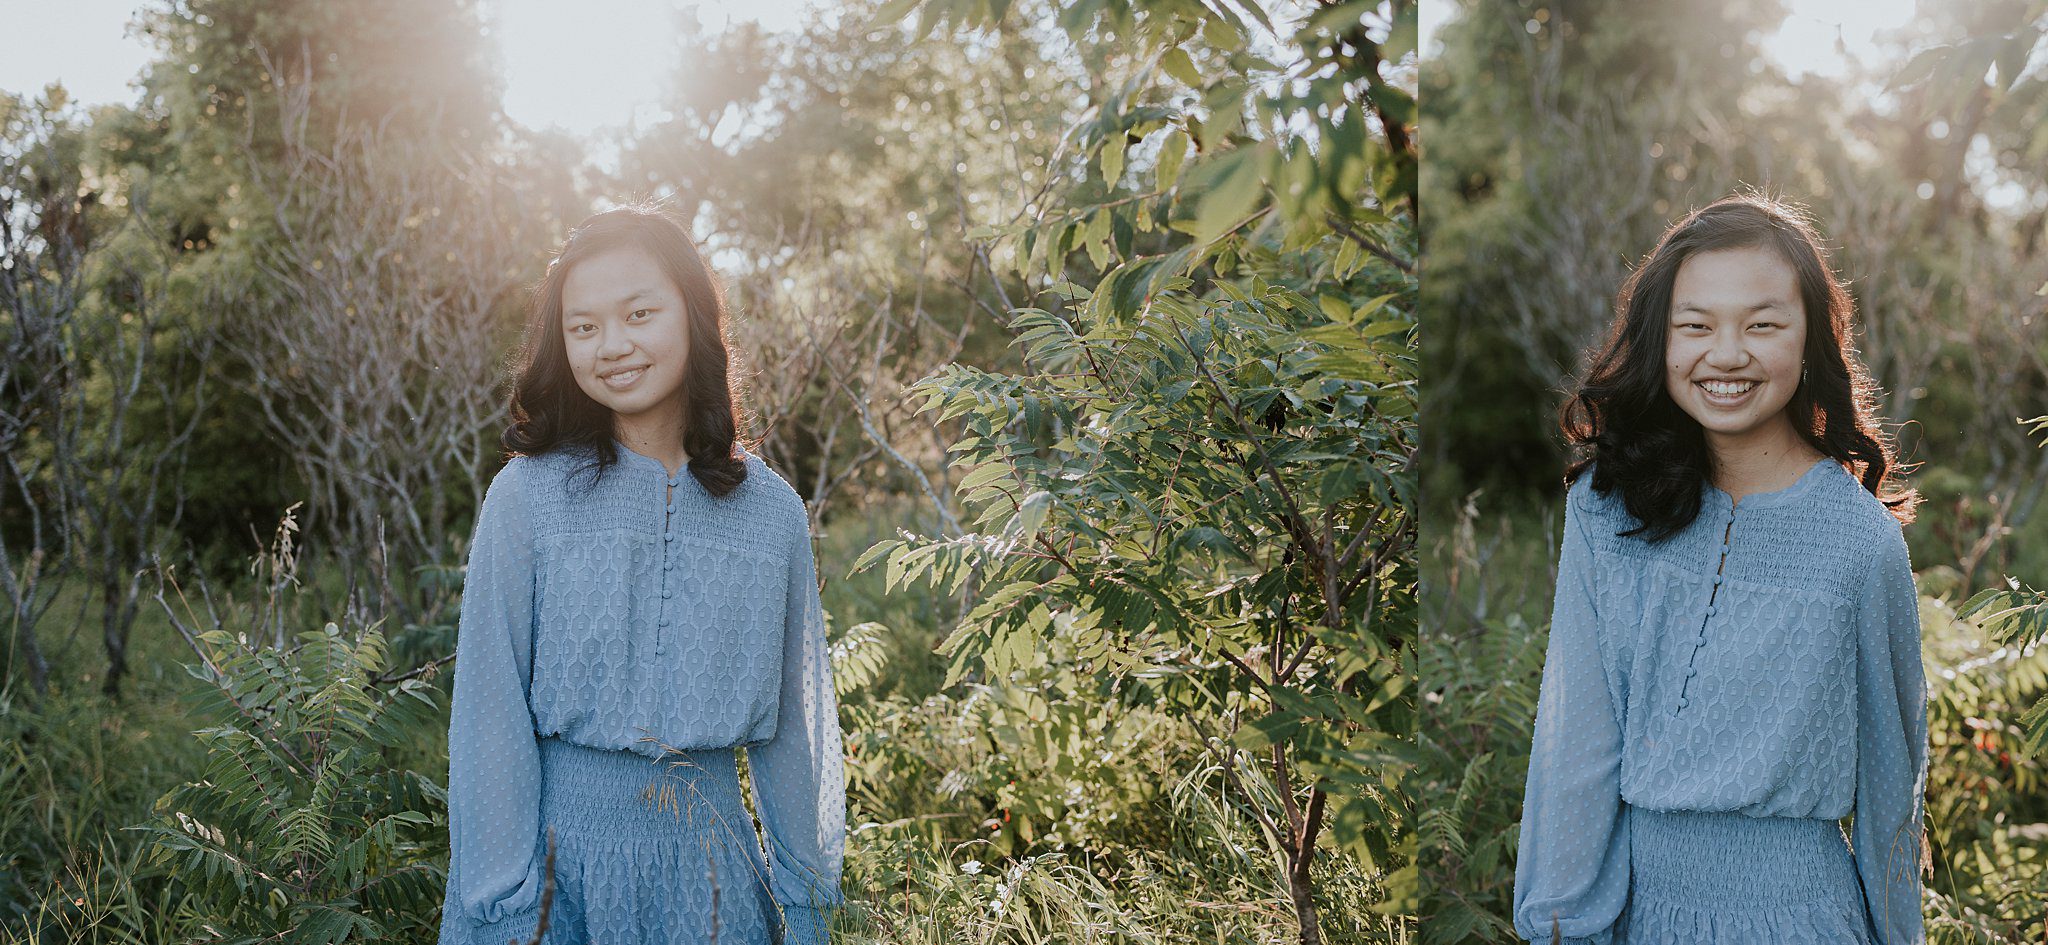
(300, 829)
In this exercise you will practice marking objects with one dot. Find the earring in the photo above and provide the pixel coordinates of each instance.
(1802, 373)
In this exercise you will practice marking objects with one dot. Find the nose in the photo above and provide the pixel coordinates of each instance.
(1727, 353)
(612, 345)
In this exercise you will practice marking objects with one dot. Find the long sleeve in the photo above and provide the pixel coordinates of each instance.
(798, 775)
(1572, 863)
(494, 874)
(1891, 749)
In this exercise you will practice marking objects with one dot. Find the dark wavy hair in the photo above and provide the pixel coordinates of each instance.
(549, 411)
(1622, 422)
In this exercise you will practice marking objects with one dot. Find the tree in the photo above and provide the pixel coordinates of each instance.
(839, 212)
(375, 318)
(139, 407)
(1202, 477)
(46, 229)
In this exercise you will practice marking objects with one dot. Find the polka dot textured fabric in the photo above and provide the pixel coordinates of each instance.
(619, 640)
(1711, 705)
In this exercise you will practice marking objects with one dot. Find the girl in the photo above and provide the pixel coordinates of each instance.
(1734, 656)
(641, 600)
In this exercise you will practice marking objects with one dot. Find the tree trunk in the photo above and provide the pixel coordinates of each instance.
(113, 633)
(31, 653)
(1302, 891)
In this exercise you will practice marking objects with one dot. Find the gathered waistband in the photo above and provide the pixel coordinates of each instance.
(617, 795)
(1728, 857)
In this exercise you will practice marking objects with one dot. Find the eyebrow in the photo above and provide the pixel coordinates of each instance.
(1758, 307)
(628, 300)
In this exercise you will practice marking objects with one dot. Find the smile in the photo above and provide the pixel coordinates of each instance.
(620, 380)
(1726, 392)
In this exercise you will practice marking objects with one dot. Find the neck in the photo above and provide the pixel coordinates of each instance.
(1765, 459)
(656, 432)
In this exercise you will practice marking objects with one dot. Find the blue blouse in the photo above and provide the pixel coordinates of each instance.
(607, 615)
(1764, 660)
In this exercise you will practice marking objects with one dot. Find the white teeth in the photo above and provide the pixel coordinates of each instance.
(1727, 388)
(624, 377)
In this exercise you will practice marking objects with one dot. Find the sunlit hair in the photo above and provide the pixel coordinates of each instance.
(1622, 422)
(549, 411)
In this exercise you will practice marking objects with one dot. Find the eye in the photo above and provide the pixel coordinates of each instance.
(578, 329)
(639, 312)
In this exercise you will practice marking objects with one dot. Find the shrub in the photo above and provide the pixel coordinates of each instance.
(300, 830)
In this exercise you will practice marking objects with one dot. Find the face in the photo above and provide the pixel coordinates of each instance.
(626, 331)
(1736, 337)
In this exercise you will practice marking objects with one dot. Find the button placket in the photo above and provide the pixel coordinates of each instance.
(668, 564)
(1713, 607)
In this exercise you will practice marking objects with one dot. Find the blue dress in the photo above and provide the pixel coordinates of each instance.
(1711, 705)
(616, 645)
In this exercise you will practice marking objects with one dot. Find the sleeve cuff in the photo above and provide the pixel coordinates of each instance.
(1603, 937)
(803, 925)
(517, 927)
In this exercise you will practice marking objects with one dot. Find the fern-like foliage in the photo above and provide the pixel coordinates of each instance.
(1475, 757)
(2016, 616)
(300, 831)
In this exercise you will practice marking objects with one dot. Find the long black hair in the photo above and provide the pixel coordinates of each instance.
(1622, 421)
(549, 411)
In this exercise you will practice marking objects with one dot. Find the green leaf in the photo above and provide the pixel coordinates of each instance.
(1222, 34)
(874, 553)
(1112, 159)
(1236, 193)
(1387, 326)
(1181, 66)
(1030, 517)
(1273, 728)
(981, 476)
(1095, 237)
(892, 11)
(1174, 150)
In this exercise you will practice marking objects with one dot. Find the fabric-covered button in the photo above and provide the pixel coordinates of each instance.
(665, 595)
(1691, 671)
(1681, 702)
(671, 536)
(1710, 610)
(671, 508)
(1701, 640)
(1717, 580)
(663, 622)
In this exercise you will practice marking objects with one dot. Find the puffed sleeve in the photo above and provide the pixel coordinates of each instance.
(1571, 866)
(798, 775)
(494, 872)
(1891, 747)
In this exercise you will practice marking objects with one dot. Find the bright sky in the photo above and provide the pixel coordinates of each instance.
(578, 66)
(1804, 43)
(1807, 42)
(79, 43)
(608, 59)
